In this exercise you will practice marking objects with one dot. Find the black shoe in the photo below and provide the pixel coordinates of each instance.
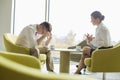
(51, 71)
(79, 73)
(77, 66)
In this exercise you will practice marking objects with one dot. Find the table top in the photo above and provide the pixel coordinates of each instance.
(65, 49)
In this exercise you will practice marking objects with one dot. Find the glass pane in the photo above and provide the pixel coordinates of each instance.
(71, 18)
(28, 12)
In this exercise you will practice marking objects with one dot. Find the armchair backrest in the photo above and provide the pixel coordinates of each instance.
(9, 42)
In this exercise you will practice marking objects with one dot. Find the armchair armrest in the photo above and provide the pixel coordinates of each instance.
(22, 59)
(87, 62)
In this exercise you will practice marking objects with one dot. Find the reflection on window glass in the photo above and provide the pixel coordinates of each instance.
(28, 12)
(71, 19)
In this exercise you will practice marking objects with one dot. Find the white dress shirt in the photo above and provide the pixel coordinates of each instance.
(102, 37)
(28, 37)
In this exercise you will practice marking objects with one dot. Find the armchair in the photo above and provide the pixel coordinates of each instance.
(104, 60)
(9, 42)
(14, 69)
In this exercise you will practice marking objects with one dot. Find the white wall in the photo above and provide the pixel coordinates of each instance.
(5, 19)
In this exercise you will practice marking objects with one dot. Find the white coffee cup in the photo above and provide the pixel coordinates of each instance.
(52, 47)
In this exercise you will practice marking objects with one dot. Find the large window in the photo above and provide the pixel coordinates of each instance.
(28, 12)
(73, 17)
(70, 18)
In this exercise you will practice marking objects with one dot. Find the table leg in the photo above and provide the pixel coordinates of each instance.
(64, 61)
